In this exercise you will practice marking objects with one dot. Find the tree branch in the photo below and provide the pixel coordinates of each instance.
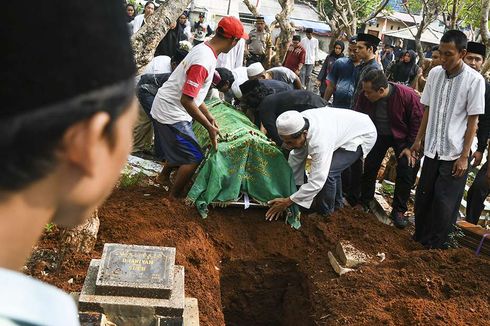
(375, 13)
(251, 7)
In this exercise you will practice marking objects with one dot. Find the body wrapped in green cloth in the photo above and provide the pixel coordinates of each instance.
(246, 162)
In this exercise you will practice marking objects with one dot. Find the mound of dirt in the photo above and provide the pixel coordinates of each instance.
(246, 271)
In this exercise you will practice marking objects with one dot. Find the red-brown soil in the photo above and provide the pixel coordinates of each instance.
(246, 271)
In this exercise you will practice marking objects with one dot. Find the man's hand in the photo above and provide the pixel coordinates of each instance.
(460, 166)
(410, 157)
(278, 206)
(318, 82)
(476, 158)
(415, 150)
(213, 135)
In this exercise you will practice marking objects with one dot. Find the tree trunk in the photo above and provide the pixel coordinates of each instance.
(286, 29)
(147, 38)
(83, 237)
(252, 8)
(485, 34)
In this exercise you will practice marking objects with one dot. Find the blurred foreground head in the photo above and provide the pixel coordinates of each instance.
(68, 105)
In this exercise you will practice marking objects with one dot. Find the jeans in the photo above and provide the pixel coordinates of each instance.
(330, 197)
(305, 74)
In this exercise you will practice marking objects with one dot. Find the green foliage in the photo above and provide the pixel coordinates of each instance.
(129, 180)
(49, 227)
(361, 8)
(388, 189)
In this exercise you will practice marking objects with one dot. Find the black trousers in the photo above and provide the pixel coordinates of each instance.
(437, 202)
(477, 194)
(405, 175)
(351, 182)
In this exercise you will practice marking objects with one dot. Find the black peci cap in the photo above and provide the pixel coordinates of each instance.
(55, 54)
(477, 48)
(371, 39)
(249, 86)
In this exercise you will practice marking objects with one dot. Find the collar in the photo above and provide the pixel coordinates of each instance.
(457, 73)
(209, 46)
(25, 299)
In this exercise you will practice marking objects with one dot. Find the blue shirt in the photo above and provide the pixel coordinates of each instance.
(343, 76)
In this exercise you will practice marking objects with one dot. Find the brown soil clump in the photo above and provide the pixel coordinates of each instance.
(246, 271)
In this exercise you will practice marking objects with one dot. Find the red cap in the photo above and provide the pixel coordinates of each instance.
(232, 28)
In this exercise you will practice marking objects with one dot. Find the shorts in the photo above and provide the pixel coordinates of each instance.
(178, 143)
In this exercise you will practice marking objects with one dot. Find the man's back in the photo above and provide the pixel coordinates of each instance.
(343, 77)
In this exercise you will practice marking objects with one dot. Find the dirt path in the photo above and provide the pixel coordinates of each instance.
(246, 271)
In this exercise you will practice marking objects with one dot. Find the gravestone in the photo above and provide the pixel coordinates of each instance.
(135, 283)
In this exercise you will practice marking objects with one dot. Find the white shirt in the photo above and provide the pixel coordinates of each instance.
(25, 299)
(159, 65)
(234, 58)
(450, 102)
(311, 48)
(240, 75)
(166, 107)
(330, 129)
(138, 22)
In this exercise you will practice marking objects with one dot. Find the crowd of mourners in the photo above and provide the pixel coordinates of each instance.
(68, 136)
(372, 97)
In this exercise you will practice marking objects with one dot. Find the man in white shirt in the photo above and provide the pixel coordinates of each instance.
(233, 59)
(67, 139)
(454, 96)
(140, 20)
(334, 138)
(310, 44)
(181, 100)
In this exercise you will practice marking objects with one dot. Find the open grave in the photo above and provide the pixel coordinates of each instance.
(246, 271)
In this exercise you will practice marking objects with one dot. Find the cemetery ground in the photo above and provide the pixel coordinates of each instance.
(246, 271)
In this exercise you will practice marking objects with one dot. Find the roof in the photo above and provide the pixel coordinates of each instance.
(430, 35)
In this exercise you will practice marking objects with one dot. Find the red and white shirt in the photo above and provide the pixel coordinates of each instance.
(192, 77)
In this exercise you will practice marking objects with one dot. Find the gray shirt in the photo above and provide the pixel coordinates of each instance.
(381, 115)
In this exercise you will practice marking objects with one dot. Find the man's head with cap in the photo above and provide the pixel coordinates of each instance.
(475, 55)
(67, 115)
(229, 32)
(366, 45)
(256, 71)
(260, 23)
(292, 127)
(309, 32)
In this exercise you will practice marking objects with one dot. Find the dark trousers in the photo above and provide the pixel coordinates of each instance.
(405, 175)
(437, 202)
(330, 197)
(477, 194)
(351, 182)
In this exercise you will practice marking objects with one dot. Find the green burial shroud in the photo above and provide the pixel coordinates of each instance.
(246, 162)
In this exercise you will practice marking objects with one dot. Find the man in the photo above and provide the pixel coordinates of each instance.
(233, 59)
(334, 138)
(366, 51)
(341, 80)
(310, 44)
(140, 20)
(67, 137)
(257, 71)
(396, 112)
(202, 22)
(454, 97)
(259, 44)
(181, 100)
(479, 190)
(225, 80)
(272, 106)
(387, 57)
(295, 56)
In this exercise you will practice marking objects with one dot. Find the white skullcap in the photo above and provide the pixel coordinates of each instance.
(255, 69)
(289, 123)
(235, 88)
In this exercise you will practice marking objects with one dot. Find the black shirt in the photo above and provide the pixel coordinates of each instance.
(484, 122)
(274, 105)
